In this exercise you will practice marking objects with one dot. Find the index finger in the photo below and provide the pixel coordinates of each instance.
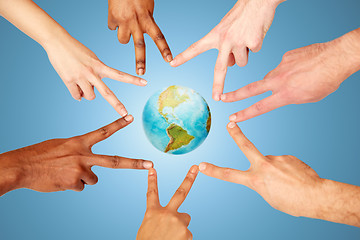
(117, 162)
(220, 73)
(101, 134)
(184, 189)
(263, 106)
(194, 50)
(247, 147)
(110, 97)
(160, 41)
(152, 195)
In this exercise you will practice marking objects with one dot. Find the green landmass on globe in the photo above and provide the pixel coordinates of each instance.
(178, 137)
(186, 120)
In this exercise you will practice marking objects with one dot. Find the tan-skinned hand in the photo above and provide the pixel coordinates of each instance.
(62, 164)
(162, 223)
(305, 75)
(289, 185)
(135, 17)
(244, 27)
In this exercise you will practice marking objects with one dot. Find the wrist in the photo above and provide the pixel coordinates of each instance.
(54, 38)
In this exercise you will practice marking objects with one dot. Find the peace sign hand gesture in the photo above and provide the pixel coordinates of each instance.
(63, 164)
(166, 222)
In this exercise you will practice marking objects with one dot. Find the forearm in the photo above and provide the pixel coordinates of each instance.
(9, 175)
(349, 50)
(338, 202)
(32, 20)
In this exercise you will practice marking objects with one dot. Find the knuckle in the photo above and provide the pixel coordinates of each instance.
(152, 191)
(159, 36)
(119, 105)
(255, 45)
(140, 43)
(124, 39)
(166, 51)
(90, 96)
(242, 62)
(259, 107)
(136, 163)
(226, 173)
(115, 161)
(252, 87)
(95, 180)
(188, 178)
(140, 62)
(104, 131)
(220, 67)
(108, 92)
(181, 192)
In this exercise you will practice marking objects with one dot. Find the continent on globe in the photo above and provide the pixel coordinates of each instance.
(171, 98)
(178, 137)
(176, 120)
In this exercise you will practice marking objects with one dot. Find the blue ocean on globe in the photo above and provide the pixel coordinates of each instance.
(176, 120)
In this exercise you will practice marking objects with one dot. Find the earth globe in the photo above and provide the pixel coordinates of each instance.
(176, 120)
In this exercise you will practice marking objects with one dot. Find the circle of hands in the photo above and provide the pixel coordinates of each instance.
(285, 182)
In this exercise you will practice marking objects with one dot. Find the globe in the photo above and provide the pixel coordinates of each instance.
(176, 120)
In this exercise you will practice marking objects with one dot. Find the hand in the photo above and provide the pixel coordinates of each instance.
(61, 164)
(304, 75)
(166, 222)
(289, 185)
(81, 71)
(285, 182)
(135, 17)
(77, 66)
(244, 27)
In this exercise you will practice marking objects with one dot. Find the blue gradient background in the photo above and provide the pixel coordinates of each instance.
(36, 106)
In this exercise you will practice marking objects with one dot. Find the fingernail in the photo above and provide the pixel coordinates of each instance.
(141, 71)
(128, 118)
(169, 58)
(143, 82)
(232, 118)
(202, 166)
(123, 112)
(231, 125)
(151, 171)
(173, 62)
(223, 97)
(216, 96)
(147, 164)
(193, 169)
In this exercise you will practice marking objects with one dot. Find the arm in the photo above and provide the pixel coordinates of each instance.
(242, 29)
(135, 17)
(304, 75)
(291, 186)
(77, 66)
(62, 164)
(164, 223)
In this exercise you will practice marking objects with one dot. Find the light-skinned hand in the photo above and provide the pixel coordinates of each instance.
(290, 185)
(62, 164)
(135, 17)
(81, 71)
(78, 67)
(163, 223)
(305, 75)
(244, 27)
